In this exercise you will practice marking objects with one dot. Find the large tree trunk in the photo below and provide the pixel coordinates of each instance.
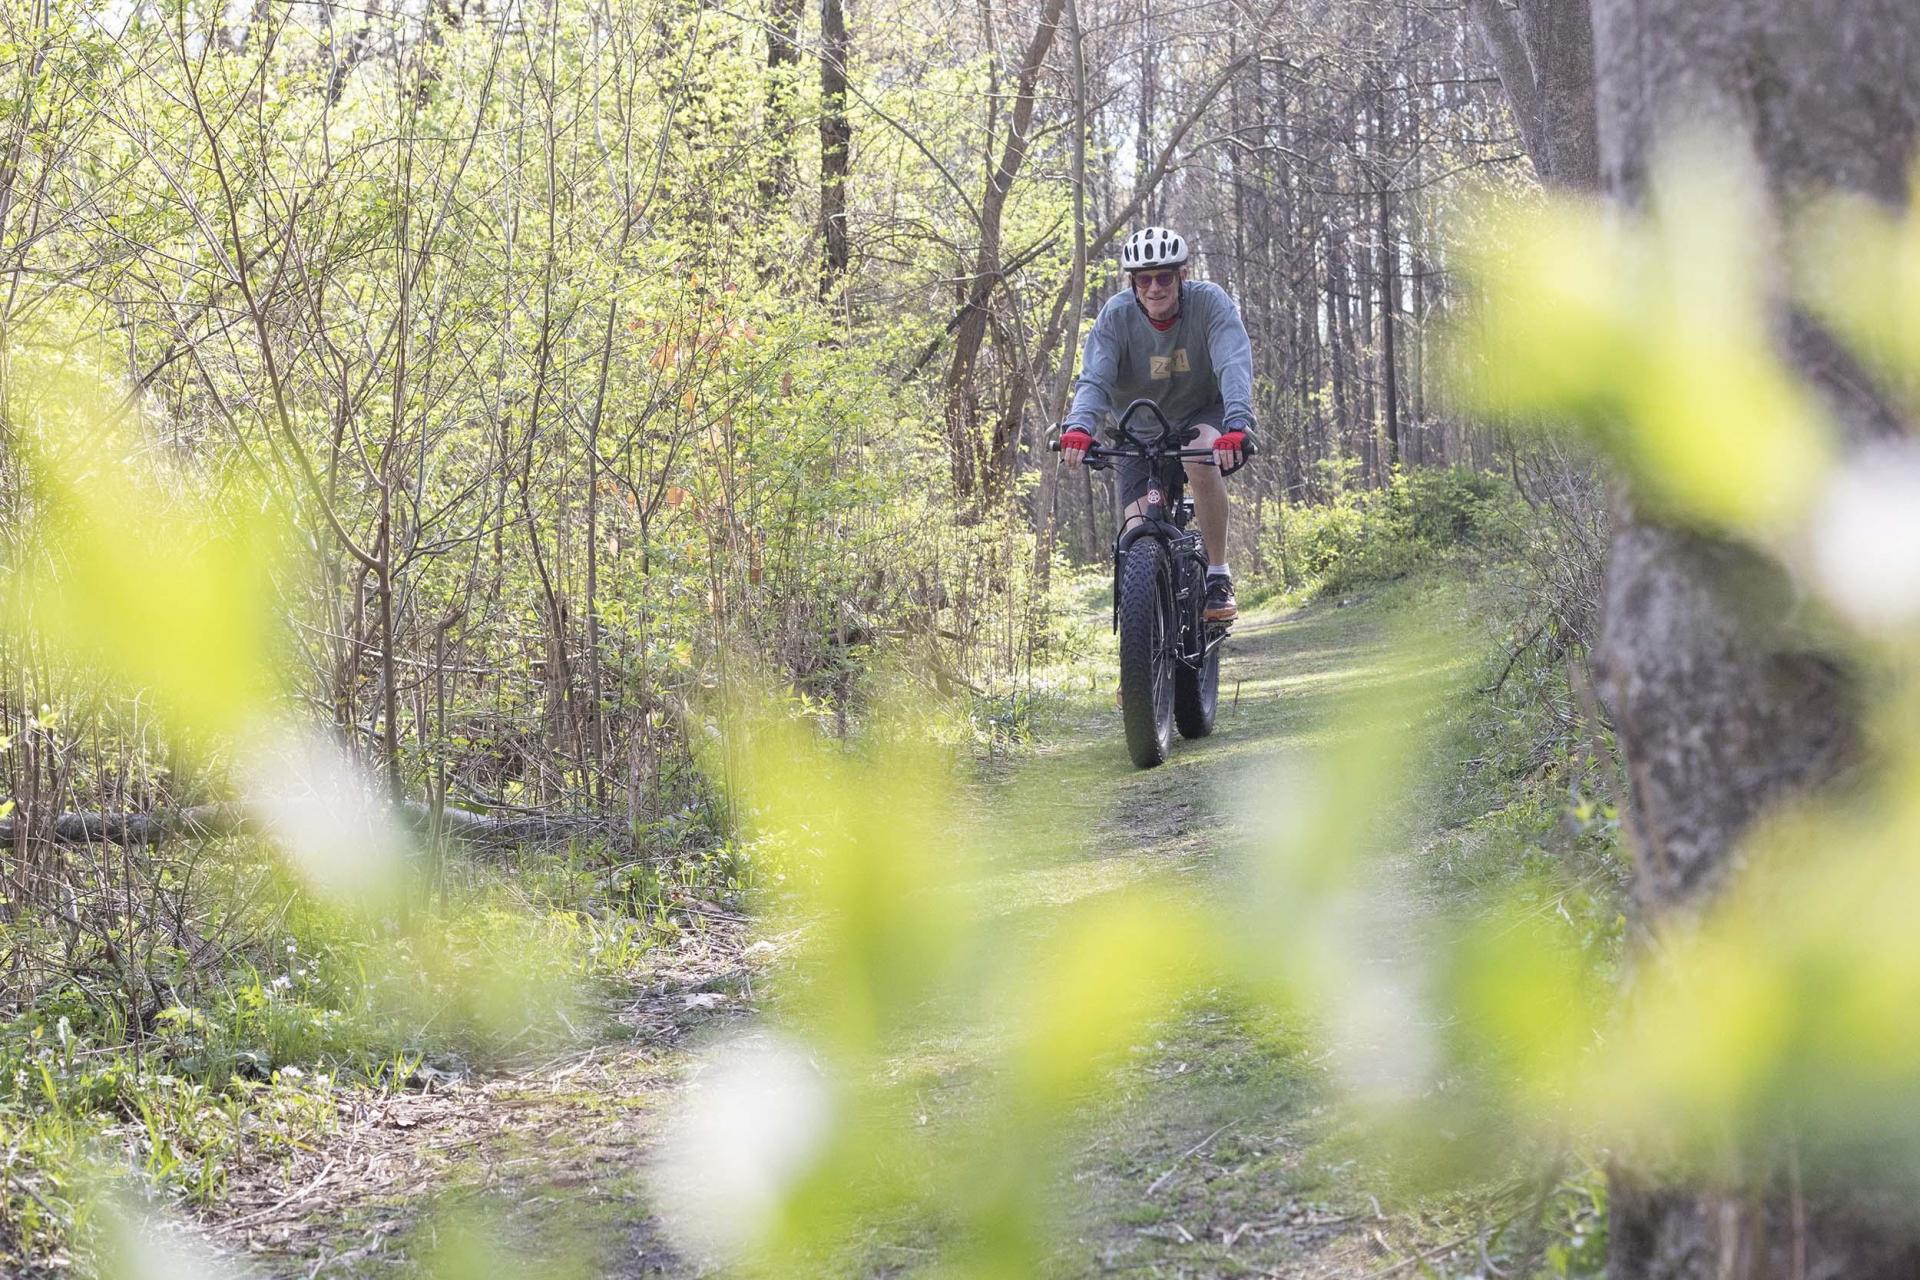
(1725, 704)
(836, 144)
(1543, 54)
(783, 59)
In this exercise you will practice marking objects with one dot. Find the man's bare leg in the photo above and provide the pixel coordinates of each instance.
(1209, 497)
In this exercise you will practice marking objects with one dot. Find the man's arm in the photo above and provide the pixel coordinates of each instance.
(1232, 353)
(1099, 370)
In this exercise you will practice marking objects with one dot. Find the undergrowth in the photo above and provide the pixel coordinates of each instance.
(1530, 823)
(247, 1052)
(1360, 537)
(175, 1066)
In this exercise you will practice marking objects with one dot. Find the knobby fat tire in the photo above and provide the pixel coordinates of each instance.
(1145, 624)
(1196, 692)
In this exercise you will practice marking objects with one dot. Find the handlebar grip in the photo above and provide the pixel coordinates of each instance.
(1247, 449)
(1054, 444)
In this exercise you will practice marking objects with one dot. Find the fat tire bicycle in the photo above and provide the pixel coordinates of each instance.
(1169, 652)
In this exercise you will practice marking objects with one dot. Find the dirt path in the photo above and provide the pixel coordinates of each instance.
(1224, 1151)
(1219, 1154)
(550, 1152)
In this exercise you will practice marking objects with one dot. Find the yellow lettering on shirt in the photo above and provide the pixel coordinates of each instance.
(1162, 367)
(1180, 364)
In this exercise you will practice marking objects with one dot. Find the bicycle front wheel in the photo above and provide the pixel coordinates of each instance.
(1147, 638)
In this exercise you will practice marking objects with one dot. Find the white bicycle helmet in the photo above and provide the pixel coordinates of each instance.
(1151, 247)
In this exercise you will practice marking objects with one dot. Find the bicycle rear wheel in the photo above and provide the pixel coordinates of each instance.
(1196, 692)
(1147, 637)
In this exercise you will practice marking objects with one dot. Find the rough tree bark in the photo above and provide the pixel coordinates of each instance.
(1724, 704)
(783, 59)
(1543, 54)
(836, 143)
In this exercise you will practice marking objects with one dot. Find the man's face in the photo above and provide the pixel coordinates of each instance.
(1159, 290)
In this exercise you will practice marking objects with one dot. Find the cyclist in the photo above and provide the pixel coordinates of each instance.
(1181, 344)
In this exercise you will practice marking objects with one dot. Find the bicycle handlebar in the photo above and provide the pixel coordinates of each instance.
(1107, 451)
(1158, 448)
(1126, 416)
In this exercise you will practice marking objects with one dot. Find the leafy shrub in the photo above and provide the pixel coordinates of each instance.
(1445, 506)
(1365, 536)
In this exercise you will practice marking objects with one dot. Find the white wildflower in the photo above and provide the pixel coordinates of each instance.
(759, 1116)
(1866, 538)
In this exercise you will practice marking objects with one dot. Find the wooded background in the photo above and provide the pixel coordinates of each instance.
(606, 351)
(606, 348)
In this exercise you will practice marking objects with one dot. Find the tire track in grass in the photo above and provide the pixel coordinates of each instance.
(1223, 1150)
(1218, 1151)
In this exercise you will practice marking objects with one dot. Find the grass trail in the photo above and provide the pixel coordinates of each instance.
(1220, 1151)
(1224, 1151)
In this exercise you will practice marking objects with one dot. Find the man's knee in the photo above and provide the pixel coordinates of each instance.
(1202, 473)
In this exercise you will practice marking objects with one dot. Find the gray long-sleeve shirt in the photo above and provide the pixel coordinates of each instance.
(1205, 356)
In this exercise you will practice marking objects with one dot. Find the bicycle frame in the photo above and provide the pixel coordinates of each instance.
(1165, 519)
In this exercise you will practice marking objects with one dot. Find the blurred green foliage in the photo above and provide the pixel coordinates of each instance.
(159, 580)
(1654, 332)
(1762, 1034)
(896, 947)
(1777, 1013)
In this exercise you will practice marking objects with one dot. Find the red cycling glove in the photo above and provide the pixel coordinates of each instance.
(1231, 442)
(1075, 438)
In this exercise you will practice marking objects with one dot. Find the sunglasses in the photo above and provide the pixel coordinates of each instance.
(1154, 279)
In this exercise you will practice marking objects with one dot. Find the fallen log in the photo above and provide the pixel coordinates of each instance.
(497, 831)
(209, 820)
(200, 821)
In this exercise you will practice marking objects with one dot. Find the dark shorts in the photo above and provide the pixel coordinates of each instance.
(1133, 477)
